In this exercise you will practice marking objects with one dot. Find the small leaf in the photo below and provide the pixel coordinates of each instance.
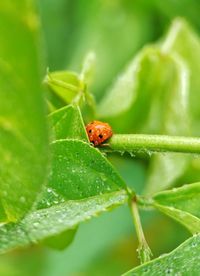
(182, 204)
(41, 224)
(186, 198)
(184, 260)
(23, 130)
(67, 122)
(65, 84)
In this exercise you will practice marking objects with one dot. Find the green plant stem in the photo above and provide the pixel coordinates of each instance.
(154, 143)
(144, 251)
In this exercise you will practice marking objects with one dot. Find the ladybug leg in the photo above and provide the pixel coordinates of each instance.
(104, 145)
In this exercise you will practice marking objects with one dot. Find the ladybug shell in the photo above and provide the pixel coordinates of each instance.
(98, 132)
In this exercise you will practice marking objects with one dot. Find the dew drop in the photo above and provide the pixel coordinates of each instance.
(132, 154)
(35, 224)
(194, 244)
(168, 271)
(22, 199)
(49, 190)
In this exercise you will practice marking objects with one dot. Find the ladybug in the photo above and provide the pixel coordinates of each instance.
(98, 132)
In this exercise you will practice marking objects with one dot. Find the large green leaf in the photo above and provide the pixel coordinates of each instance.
(163, 79)
(175, 122)
(182, 204)
(67, 122)
(23, 130)
(79, 171)
(182, 40)
(41, 224)
(184, 260)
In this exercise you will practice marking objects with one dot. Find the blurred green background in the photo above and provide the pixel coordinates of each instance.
(116, 30)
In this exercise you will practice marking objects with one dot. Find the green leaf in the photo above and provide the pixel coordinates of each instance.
(60, 241)
(184, 260)
(191, 222)
(163, 79)
(80, 171)
(45, 223)
(182, 204)
(160, 77)
(72, 88)
(65, 84)
(186, 198)
(184, 42)
(176, 122)
(23, 130)
(67, 122)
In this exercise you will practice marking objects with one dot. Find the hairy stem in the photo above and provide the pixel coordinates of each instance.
(144, 251)
(154, 143)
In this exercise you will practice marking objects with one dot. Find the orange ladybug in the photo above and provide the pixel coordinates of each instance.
(98, 132)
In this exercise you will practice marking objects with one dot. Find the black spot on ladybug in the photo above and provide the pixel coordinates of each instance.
(100, 136)
(90, 131)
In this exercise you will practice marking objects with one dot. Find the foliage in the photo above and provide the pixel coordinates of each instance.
(52, 179)
(23, 129)
(182, 261)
